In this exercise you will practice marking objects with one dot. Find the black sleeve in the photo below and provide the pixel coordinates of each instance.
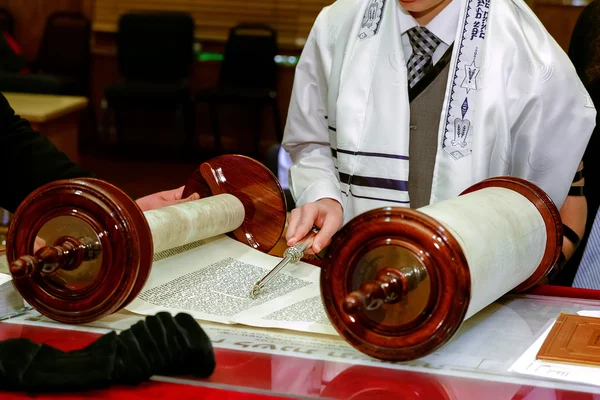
(29, 160)
(161, 344)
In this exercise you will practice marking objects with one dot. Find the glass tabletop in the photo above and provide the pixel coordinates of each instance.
(473, 363)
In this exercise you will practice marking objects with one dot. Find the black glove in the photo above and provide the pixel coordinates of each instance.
(160, 345)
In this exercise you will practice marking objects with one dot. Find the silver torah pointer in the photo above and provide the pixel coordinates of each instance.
(291, 255)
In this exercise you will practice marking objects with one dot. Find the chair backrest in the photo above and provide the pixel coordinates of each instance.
(65, 46)
(155, 46)
(7, 22)
(249, 59)
(11, 55)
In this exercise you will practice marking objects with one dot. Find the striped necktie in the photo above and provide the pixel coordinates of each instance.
(588, 273)
(423, 44)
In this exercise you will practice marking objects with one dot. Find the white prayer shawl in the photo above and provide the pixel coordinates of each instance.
(513, 106)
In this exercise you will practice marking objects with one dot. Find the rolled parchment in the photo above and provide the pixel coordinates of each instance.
(189, 222)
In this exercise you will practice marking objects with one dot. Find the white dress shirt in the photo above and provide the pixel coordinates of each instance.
(444, 26)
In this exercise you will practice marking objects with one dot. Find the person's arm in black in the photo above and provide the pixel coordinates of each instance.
(28, 159)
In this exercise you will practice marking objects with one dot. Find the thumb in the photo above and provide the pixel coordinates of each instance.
(172, 202)
(192, 197)
(177, 193)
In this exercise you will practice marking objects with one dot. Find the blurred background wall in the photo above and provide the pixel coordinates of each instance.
(291, 18)
(142, 170)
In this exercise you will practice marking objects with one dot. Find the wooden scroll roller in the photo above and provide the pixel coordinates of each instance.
(397, 283)
(101, 244)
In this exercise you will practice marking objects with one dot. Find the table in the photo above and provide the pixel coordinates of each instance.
(254, 363)
(261, 364)
(58, 117)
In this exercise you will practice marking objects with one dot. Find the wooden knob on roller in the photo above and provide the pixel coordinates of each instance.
(67, 254)
(101, 244)
(389, 287)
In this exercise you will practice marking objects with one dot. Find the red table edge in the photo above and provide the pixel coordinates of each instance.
(566, 291)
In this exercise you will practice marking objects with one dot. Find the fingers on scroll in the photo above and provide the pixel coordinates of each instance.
(192, 197)
(175, 195)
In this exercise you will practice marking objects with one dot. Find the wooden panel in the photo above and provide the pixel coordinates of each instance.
(291, 18)
(87, 8)
(559, 20)
(30, 18)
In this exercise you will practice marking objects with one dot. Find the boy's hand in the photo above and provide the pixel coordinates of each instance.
(164, 199)
(326, 214)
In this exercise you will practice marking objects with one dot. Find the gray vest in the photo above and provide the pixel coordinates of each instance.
(425, 113)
